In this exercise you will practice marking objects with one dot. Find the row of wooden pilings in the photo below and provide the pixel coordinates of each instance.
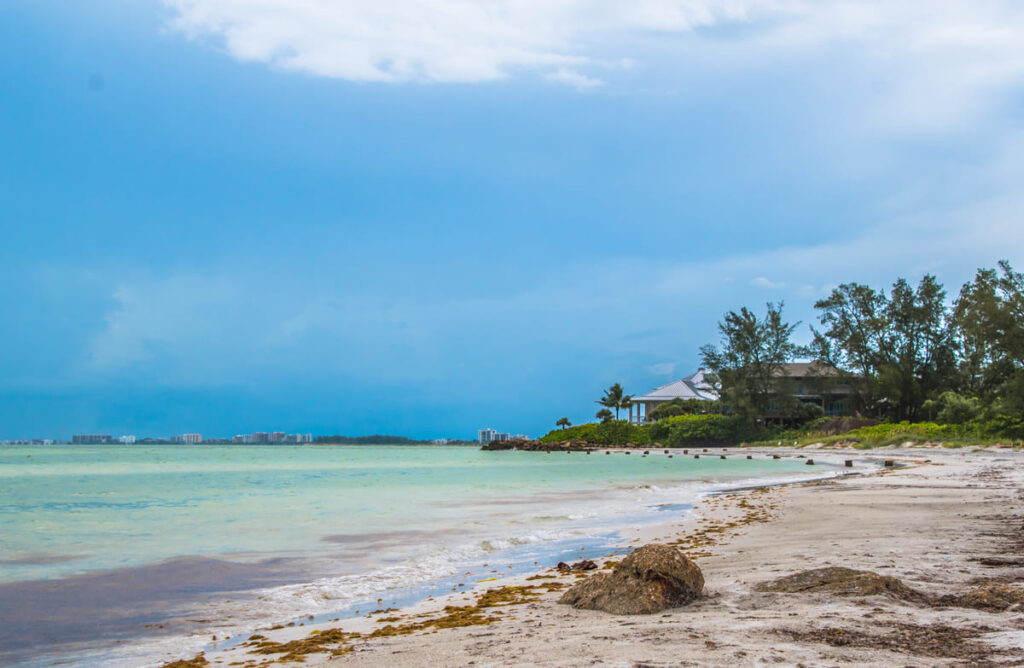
(888, 463)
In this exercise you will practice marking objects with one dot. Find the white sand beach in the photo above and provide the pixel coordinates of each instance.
(948, 521)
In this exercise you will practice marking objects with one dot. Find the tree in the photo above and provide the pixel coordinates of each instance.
(604, 415)
(614, 397)
(989, 322)
(855, 325)
(563, 423)
(898, 349)
(747, 370)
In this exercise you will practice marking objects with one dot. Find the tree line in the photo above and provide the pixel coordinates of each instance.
(907, 353)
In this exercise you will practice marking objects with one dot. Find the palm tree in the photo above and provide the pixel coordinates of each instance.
(563, 423)
(615, 398)
(604, 415)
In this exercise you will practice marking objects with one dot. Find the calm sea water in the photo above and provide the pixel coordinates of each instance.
(159, 542)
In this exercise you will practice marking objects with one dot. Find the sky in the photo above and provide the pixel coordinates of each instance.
(427, 217)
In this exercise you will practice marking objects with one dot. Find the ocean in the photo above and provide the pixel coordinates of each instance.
(120, 555)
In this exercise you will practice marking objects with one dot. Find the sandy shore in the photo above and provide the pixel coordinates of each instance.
(930, 524)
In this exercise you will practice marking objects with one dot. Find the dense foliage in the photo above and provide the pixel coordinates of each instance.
(747, 368)
(684, 407)
(910, 355)
(676, 431)
(700, 430)
(611, 432)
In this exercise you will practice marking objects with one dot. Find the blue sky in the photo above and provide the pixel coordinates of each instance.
(430, 217)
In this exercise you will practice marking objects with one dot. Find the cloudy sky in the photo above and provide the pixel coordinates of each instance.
(430, 216)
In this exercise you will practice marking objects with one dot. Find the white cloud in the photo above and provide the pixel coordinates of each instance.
(572, 78)
(762, 282)
(919, 64)
(662, 369)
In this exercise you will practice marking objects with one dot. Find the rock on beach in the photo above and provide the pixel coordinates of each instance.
(651, 579)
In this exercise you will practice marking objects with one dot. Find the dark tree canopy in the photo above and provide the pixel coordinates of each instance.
(748, 367)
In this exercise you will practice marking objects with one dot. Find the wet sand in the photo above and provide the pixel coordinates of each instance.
(121, 603)
(941, 526)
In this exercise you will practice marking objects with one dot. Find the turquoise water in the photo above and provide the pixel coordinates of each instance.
(347, 521)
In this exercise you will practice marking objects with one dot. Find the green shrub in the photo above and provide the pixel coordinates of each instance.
(683, 430)
(684, 407)
(615, 432)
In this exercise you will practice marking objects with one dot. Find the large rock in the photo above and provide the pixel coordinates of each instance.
(652, 579)
(842, 582)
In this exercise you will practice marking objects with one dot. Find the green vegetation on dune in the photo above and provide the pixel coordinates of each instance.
(927, 368)
(703, 430)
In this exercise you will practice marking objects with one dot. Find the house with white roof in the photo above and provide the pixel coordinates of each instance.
(694, 386)
(810, 382)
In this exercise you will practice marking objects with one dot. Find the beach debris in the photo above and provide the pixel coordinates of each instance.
(809, 462)
(889, 463)
(197, 661)
(991, 596)
(651, 579)
(848, 463)
(934, 640)
(843, 582)
(584, 565)
(999, 561)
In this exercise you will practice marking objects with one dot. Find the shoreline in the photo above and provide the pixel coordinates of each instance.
(919, 523)
(192, 627)
(720, 518)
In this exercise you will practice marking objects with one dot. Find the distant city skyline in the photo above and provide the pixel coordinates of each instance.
(193, 438)
(213, 223)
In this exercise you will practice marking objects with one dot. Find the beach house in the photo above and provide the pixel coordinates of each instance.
(810, 382)
(694, 386)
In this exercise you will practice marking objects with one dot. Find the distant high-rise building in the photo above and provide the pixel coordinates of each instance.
(91, 439)
(487, 435)
(188, 439)
(127, 440)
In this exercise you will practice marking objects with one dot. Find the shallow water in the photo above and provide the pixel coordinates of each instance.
(165, 540)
